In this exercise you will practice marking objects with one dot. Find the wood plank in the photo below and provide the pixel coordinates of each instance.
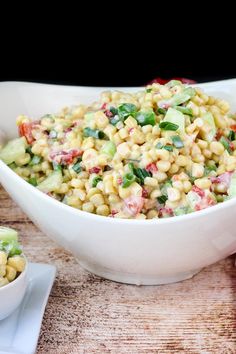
(87, 314)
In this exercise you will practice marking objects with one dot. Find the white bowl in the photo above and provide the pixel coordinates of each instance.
(130, 251)
(12, 294)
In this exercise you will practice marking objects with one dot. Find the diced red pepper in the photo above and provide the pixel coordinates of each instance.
(223, 178)
(233, 127)
(144, 193)
(151, 167)
(108, 113)
(25, 129)
(119, 180)
(166, 212)
(199, 191)
(95, 169)
(162, 81)
(205, 203)
(104, 106)
(219, 134)
(113, 213)
(65, 157)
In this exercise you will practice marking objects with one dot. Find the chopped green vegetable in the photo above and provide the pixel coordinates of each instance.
(95, 181)
(127, 109)
(128, 179)
(159, 145)
(13, 150)
(29, 151)
(8, 234)
(184, 110)
(161, 111)
(177, 118)
(56, 166)
(35, 160)
(33, 181)
(51, 183)
(173, 83)
(145, 118)
(231, 135)
(178, 98)
(140, 173)
(77, 167)
(178, 143)
(95, 133)
(109, 148)
(164, 187)
(114, 120)
(232, 187)
(168, 126)
(113, 110)
(209, 169)
(225, 142)
(162, 199)
(209, 120)
(148, 90)
(168, 147)
(182, 210)
(12, 248)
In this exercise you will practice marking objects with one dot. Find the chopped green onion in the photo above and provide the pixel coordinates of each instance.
(231, 135)
(77, 167)
(168, 147)
(145, 118)
(95, 133)
(225, 142)
(128, 179)
(162, 199)
(12, 248)
(148, 90)
(127, 109)
(33, 181)
(168, 126)
(177, 142)
(95, 181)
(113, 110)
(161, 110)
(56, 166)
(184, 110)
(114, 120)
(29, 150)
(35, 160)
(140, 173)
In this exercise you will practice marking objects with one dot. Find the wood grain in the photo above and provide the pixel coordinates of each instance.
(87, 314)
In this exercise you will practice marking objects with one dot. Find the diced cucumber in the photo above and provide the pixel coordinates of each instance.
(13, 150)
(182, 210)
(209, 120)
(51, 183)
(232, 187)
(177, 118)
(8, 234)
(173, 83)
(109, 148)
(178, 98)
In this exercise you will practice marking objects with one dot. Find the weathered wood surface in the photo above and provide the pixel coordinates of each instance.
(86, 314)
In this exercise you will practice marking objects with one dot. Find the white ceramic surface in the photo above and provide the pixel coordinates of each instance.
(131, 251)
(12, 294)
(20, 331)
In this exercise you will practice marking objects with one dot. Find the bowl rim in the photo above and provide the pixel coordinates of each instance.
(95, 217)
(15, 281)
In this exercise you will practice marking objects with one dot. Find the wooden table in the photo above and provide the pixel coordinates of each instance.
(87, 314)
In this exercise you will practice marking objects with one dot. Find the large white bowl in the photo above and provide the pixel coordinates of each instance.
(130, 251)
(12, 294)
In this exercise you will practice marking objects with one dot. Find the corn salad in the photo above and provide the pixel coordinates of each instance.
(164, 151)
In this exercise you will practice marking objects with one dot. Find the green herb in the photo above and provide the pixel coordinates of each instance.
(168, 126)
(33, 181)
(231, 135)
(113, 110)
(162, 199)
(12, 248)
(56, 166)
(114, 120)
(145, 118)
(184, 110)
(148, 90)
(225, 142)
(168, 147)
(127, 109)
(161, 111)
(77, 167)
(29, 151)
(95, 133)
(95, 181)
(140, 173)
(177, 142)
(128, 179)
(35, 160)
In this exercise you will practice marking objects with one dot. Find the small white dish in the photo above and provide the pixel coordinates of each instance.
(12, 294)
(19, 332)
